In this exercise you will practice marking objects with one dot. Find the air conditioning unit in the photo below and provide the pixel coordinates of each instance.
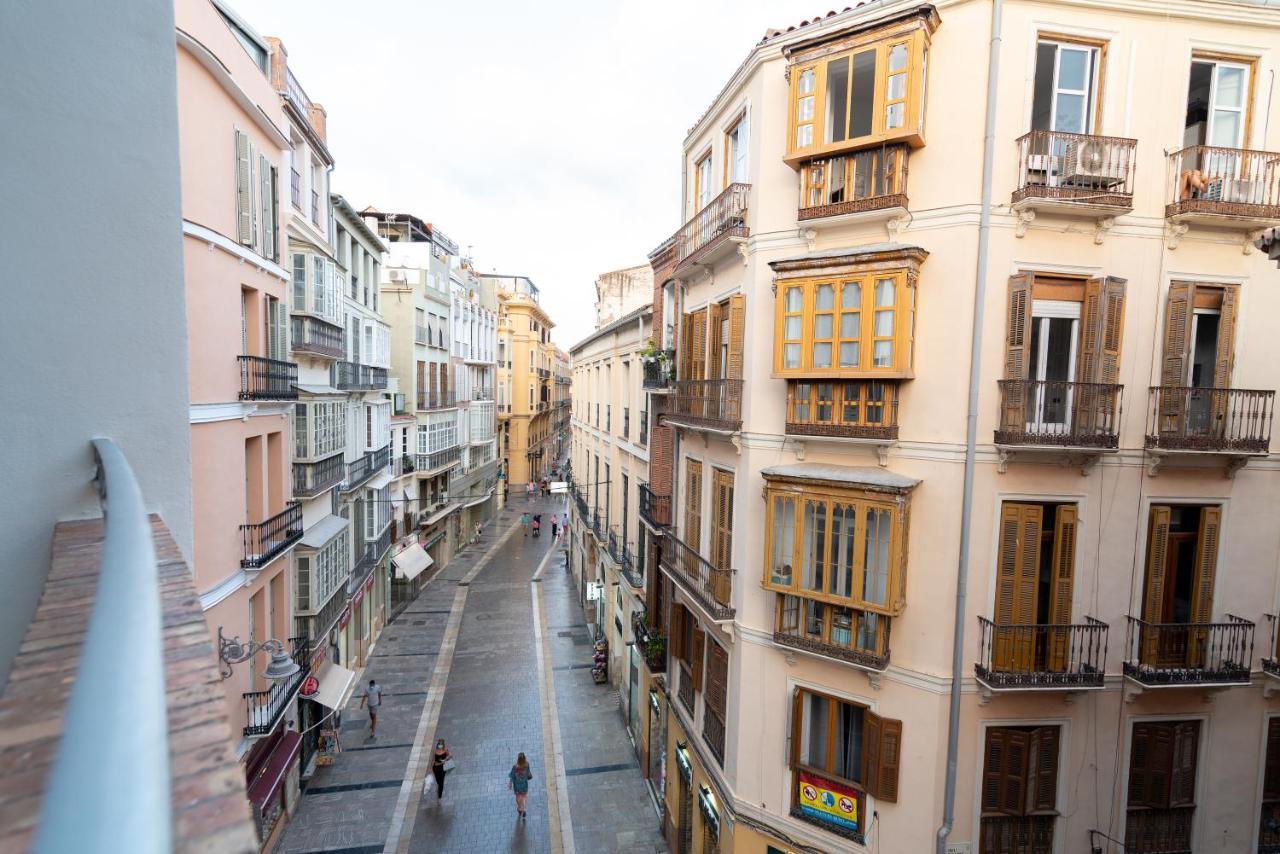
(1096, 162)
(1242, 192)
(397, 276)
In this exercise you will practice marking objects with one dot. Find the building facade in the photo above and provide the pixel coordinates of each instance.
(473, 309)
(807, 477)
(525, 361)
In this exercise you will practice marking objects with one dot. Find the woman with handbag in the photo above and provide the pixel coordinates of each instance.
(441, 764)
(518, 782)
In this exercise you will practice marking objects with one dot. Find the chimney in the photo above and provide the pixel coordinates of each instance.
(319, 120)
(279, 62)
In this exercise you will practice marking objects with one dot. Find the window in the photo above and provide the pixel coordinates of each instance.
(1182, 558)
(327, 433)
(722, 518)
(864, 89)
(1163, 763)
(702, 182)
(850, 179)
(1219, 91)
(841, 752)
(735, 164)
(1065, 96)
(859, 408)
(320, 574)
(1199, 340)
(1035, 571)
(1019, 790)
(692, 533)
(1269, 822)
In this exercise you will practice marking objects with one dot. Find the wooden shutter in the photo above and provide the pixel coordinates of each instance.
(686, 347)
(881, 755)
(1225, 357)
(1207, 544)
(693, 504)
(1088, 366)
(698, 346)
(1101, 334)
(713, 341)
(244, 191)
(1042, 770)
(1177, 340)
(722, 507)
(1113, 294)
(1182, 777)
(737, 333)
(1013, 782)
(677, 632)
(1017, 343)
(1061, 585)
(1139, 758)
(264, 201)
(699, 642)
(1271, 777)
(1017, 582)
(993, 769)
(717, 678)
(1157, 559)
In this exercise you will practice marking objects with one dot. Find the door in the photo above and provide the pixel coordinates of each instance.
(1017, 587)
(1217, 106)
(1182, 550)
(1052, 365)
(1064, 102)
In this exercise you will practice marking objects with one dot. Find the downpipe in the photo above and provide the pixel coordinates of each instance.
(971, 428)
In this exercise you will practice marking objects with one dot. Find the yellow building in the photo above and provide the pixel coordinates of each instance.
(526, 386)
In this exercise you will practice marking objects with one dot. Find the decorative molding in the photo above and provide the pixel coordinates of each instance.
(209, 60)
(1103, 225)
(1022, 219)
(207, 413)
(224, 588)
(226, 244)
(1174, 232)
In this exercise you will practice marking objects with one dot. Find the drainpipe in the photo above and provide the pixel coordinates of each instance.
(971, 428)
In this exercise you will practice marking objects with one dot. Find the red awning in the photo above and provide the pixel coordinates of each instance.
(272, 772)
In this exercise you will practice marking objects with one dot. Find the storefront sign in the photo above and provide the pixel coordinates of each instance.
(829, 802)
(594, 589)
(682, 762)
(707, 805)
(433, 539)
(345, 618)
(309, 687)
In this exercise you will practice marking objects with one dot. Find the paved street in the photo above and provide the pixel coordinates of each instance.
(482, 659)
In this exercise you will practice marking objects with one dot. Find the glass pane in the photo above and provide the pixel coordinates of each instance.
(884, 292)
(882, 354)
(804, 108)
(849, 324)
(791, 327)
(835, 193)
(884, 322)
(893, 115)
(826, 296)
(1230, 91)
(897, 87)
(1042, 90)
(790, 622)
(1073, 69)
(848, 354)
(822, 325)
(806, 81)
(843, 521)
(851, 403)
(825, 399)
(841, 626)
(791, 355)
(868, 634)
(875, 572)
(822, 355)
(862, 93)
(837, 98)
(804, 136)
(851, 295)
(815, 534)
(784, 526)
(848, 746)
(815, 614)
(1226, 129)
(1068, 113)
(813, 740)
(898, 57)
(795, 299)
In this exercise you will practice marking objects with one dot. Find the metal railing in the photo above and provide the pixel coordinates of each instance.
(544, 374)
(713, 733)
(295, 188)
(1017, 833)
(1189, 653)
(711, 587)
(102, 790)
(353, 376)
(1076, 167)
(293, 89)
(402, 465)
(1230, 182)
(312, 335)
(868, 180)
(655, 509)
(267, 379)
(843, 641)
(371, 552)
(650, 641)
(438, 459)
(264, 708)
(362, 470)
(1059, 414)
(266, 540)
(1185, 418)
(436, 400)
(581, 503)
(717, 403)
(1159, 831)
(724, 216)
(1041, 656)
(482, 393)
(1271, 661)
(658, 373)
(310, 479)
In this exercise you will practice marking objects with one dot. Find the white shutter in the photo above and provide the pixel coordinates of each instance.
(319, 294)
(265, 202)
(244, 191)
(279, 332)
(299, 282)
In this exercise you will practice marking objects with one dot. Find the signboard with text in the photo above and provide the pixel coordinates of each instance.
(828, 801)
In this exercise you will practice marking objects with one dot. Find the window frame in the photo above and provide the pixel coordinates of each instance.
(701, 181)
(1250, 66)
(1098, 49)
(736, 148)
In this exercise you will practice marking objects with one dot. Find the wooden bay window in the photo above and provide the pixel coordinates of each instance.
(857, 408)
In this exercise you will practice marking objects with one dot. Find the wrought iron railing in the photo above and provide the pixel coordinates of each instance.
(370, 463)
(438, 459)
(1159, 831)
(371, 552)
(310, 479)
(1189, 653)
(267, 379)
(1041, 656)
(580, 501)
(293, 89)
(312, 335)
(658, 373)
(711, 587)
(631, 572)
(868, 180)
(650, 641)
(716, 403)
(1017, 834)
(655, 509)
(436, 400)
(1229, 182)
(1185, 418)
(1076, 167)
(713, 733)
(685, 689)
(842, 641)
(355, 376)
(724, 216)
(544, 374)
(1271, 661)
(1059, 413)
(266, 540)
(264, 708)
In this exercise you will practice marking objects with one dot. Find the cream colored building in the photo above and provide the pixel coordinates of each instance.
(817, 310)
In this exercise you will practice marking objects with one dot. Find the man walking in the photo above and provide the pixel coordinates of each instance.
(555, 526)
(524, 522)
(373, 697)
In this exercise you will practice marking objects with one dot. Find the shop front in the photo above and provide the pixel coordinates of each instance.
(320, 701)
(695, 816)
(407, 573)
(271, 777)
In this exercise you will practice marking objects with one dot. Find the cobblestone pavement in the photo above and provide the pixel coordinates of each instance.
(488, 689)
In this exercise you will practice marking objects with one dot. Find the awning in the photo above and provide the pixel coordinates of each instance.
(308, 388)
(411, 562)
(478, 500)
(323, 531)
(335, 684)
(272, 773)
(380, 480)
(436, 517)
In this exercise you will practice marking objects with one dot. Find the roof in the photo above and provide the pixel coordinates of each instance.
(352, 214)
(876, 477)
(774, 33)
(625, 320)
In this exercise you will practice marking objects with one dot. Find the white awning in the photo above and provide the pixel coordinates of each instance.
(309, 388)
(478, 500)
(380, 480)
(411, 562)
(436, 517)
(335, 686)
(323, 531)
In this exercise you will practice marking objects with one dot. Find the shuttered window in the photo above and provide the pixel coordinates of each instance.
(1173, 533)
(848, 326)
(692, 533)
(245, 214)
(722, 522)
(1199, 337)
(1019, 790)
(1163, 762)
(1269, 824)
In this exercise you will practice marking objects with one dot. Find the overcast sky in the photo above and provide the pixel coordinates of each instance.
(546, 136)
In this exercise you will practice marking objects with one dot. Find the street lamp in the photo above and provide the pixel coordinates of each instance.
(232, 651)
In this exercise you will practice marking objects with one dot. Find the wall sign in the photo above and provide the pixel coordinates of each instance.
(828, 801)
(683, 763)
(707, 804)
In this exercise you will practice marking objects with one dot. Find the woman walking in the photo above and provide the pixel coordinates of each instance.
(438, 758)
(518, 782)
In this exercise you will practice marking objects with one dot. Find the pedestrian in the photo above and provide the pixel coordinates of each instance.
(373, 697)
(478, 529)
(438, 760)
(524, 520)
(555, 526)
(537, 525)
(518, 782)
(528, 490)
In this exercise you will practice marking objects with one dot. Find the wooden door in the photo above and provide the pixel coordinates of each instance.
(1061, 587)
(1017, 576)
(722, 534)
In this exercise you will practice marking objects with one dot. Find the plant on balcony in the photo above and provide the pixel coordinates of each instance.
(652, 353)
(406, 461)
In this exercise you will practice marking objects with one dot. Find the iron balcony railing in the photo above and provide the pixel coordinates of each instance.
(1041, 656)
(100, 787)
(714, 403)
(1189, 653)
(544, 374)
(264, 708)
(1233, 420)
(581, 503)
(633, 574)
(795, 627)
(267, 379)
(1271, 661)
(264, 541)
(438, 459)
(724, 216)
(1159, 831)
(362, 470)
(685, 689)
(655, 509)
(428, 400)
(371, 552)
(295, 188)
(311, 479)
(1227, 182)
(312, 335)
(293, 89)
(1076, 167)
(402, 465)
(713, 733)
(650, 641)
(1024, 834)
(353, 376)
(711, 587)
(868, 180)
(1059, 414)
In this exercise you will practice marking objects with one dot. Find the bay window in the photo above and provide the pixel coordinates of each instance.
(319, 429)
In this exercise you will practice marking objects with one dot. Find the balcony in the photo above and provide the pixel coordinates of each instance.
(1159, 831)
(485, 393)
(655, 510)
(371, 552)
(352, 376)
(1196, 654)
(853, 186)
(1271, 662)
(650, 641)
(712, 588)
(1017, 833)
(544, 374)
(312, 335)
(428, 464)
(711, 404)
(265, 541)
(403, 465)
(845, 409)
(1227, 187)
(361, 471)
(1052, 416)
(659, 372)
(714, 230)
(1210, 420)
(311, 479)
(858, 638)
(264, 708)
(581, 503)
(267, 379)
(1041, 657)
(1074, 174)
(429, 400)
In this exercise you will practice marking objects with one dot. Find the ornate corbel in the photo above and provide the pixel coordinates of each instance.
(1025, 217)
(1103, 225)
(809, 236)
(1174, 232)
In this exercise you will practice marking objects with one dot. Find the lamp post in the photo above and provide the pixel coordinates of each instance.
(233, 651)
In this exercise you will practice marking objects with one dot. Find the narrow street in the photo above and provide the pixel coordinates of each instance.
(494, 657)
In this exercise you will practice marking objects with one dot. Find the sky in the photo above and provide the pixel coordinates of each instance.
(545, 136)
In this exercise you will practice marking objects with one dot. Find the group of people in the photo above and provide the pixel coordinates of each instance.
(533, 522)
